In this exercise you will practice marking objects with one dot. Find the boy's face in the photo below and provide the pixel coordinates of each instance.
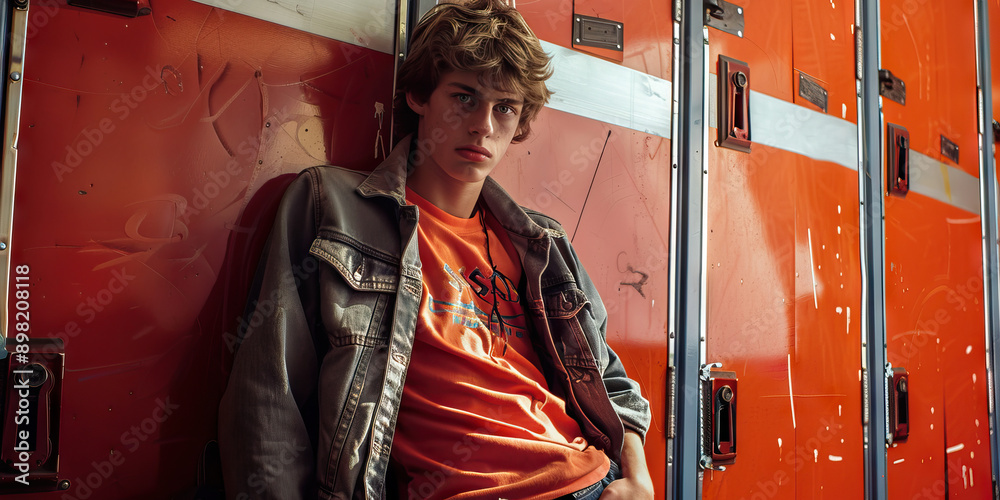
(465, 126)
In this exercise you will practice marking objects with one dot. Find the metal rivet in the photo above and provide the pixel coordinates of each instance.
(268, 124)
(3, 246)
(15, 76)
(619, 46)
(739, 34)
(739, 10)
(577, 40)
(64, 484)
(578, 19)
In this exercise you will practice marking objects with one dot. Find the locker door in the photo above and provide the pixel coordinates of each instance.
(933, 252)
(599, 162)
(147, 154)
(783, 284)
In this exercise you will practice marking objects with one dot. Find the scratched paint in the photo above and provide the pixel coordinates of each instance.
(185, 117)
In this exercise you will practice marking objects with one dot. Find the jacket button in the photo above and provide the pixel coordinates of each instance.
(399, 357)
(357, 274)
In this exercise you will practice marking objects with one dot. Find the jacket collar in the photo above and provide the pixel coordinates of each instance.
(389, 180)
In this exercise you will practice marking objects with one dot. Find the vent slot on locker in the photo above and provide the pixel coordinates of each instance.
(897, 162)
(596, 32)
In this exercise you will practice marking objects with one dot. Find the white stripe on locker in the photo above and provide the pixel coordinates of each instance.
(590, 87)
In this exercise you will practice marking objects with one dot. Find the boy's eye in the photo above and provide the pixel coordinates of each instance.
(464, 98)
(503, 108)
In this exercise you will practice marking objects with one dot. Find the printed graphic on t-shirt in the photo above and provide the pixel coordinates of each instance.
(469, 314)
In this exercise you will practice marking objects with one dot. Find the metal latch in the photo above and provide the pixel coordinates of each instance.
(891, 87)
(949, 149)
(724, 16)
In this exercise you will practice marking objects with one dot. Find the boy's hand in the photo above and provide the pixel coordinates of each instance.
(635, 484)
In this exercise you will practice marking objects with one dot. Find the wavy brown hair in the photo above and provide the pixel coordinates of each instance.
(482, 36)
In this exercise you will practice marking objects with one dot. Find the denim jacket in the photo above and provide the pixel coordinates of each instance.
(312, 400)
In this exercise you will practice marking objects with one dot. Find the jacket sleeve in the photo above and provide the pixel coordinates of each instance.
(625, 394)
(268, 407)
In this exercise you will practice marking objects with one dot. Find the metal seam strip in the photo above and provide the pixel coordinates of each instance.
(590, 87)
(871, 192)
(8, 173)
(688, 183)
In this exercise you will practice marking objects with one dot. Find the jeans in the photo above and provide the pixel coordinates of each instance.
(594, 491)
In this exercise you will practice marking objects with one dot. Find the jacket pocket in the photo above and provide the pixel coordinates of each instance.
(575, 328)
(356, 290)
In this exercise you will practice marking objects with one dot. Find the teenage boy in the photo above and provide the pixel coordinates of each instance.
(420, 335)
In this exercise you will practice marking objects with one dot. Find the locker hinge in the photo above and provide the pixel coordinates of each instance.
(724, 16)
(671, 397)
(859, 52)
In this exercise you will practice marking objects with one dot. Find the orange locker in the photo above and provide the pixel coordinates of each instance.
(933, 257)
(152, 141)
(783, 310)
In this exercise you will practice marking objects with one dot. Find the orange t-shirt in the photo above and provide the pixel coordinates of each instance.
(477, 419)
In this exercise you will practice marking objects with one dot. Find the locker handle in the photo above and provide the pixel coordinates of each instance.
(734, 105)
(897, 161)
(899, 405)
(720, 399)
(724, 423)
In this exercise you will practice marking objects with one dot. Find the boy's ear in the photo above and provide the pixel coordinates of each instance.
(415, 103)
